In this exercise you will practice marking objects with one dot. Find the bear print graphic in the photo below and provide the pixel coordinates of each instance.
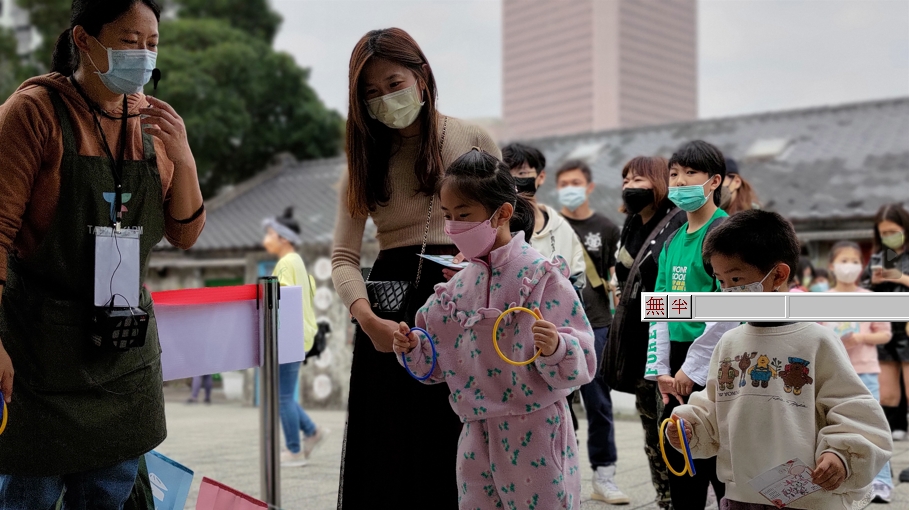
(762, 372)
(795, 376)
(727, 375)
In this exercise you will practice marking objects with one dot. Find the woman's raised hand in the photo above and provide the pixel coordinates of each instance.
(162, 121)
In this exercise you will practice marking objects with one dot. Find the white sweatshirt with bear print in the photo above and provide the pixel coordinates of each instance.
(783, 392)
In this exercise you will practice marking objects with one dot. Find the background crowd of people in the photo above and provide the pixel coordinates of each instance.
(417, 174)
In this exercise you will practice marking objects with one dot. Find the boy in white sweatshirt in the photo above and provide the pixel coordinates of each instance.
(801, 397)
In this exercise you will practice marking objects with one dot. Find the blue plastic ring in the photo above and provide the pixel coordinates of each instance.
(433, 367)
(687, 448)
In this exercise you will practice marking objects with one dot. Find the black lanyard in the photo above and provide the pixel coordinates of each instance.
(116, 165)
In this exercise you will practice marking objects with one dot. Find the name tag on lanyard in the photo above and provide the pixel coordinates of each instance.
(116, 267)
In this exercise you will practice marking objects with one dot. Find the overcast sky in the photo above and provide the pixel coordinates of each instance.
(754, 55)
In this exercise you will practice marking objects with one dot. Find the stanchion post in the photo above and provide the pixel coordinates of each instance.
(269, 298)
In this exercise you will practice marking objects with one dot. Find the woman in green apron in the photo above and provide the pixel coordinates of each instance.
(82, 147)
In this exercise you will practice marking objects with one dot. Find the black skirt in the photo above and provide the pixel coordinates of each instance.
(401, 439)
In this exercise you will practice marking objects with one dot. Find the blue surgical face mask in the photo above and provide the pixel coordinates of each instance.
(820, 287)
(689, 198)
(128, 70)
(572, 197)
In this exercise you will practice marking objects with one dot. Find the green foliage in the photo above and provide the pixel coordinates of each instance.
(243, 103)
(254, 17)
(50, 18)
(14, 69)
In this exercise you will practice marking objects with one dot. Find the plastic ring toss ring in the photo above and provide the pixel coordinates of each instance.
(5, 412)
(495, 336)
(431, 345)
(686, 453)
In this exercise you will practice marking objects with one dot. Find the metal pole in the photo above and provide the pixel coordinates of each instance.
(268, 334)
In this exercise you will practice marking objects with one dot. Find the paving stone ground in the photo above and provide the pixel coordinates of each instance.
(221, 441)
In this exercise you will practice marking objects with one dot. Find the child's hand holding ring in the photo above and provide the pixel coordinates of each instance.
(404, 340)
(672, 433)
(545, 336)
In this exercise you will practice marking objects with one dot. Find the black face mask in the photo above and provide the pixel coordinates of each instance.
(636, 199)
(526, 185)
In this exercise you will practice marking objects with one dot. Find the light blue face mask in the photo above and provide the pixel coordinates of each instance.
(128, 70)
(572, 197)
(689, 198)
(820, 287)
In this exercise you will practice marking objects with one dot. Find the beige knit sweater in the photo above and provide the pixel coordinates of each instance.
(401, 221)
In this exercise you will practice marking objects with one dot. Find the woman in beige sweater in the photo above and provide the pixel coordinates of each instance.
(398, 145)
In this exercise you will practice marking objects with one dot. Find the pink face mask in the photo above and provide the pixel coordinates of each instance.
(473, 238)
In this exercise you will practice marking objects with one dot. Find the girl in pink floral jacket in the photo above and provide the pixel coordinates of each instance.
(517, 447)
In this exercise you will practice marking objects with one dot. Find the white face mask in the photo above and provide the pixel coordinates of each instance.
(751, 287)
(397, 110)
(847, 273)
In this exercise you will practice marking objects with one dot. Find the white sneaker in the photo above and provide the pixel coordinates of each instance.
(605, 489)
(880, 492)
(310, 443)
(711, 503)
(899, 435)
(290, 459)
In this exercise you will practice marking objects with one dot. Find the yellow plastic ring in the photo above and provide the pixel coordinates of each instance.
(5, 416)
(689, 468)
(495, 336)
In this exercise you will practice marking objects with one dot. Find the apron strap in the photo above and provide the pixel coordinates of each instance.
(69, 139)
(70, 148)
(148, 145)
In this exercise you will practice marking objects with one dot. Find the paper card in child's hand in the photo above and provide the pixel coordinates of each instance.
(785, 483)
(446, 260)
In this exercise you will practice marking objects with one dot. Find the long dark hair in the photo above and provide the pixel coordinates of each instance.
(91, 15)
(745, 198)
(889, 212)
(480, 177)
(369, 141)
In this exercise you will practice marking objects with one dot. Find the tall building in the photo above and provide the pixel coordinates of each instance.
(572, 66)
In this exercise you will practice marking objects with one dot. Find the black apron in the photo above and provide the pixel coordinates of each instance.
(76, 408)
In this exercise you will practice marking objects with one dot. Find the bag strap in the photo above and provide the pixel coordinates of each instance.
(432, 200)
(657, 230)
(592, 275)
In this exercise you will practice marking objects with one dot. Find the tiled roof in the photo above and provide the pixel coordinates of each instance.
(234, 218)
(837, 162)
